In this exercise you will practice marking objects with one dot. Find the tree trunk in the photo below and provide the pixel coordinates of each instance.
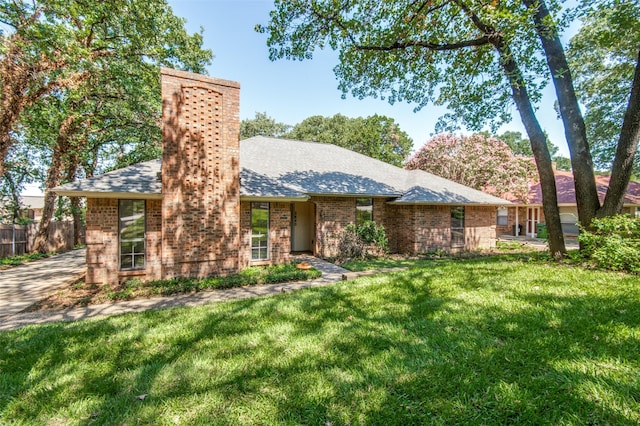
(53, 179)
(574, 128)
(73, 160)
(77, 220)
(625, 151)
(536, 135)
(538, 146)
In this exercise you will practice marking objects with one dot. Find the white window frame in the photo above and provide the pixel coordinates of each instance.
(260, 244)
(133, 254)
(503, 213)
(363, 204)
(457, 230)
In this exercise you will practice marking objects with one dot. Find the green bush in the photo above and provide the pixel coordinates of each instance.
(363, 240)
(613, 243)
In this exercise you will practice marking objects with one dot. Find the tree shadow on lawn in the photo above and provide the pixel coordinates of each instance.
(389, 349)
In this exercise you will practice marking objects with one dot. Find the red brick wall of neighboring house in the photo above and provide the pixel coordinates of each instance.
(522, 220)
(200, 175)
(279, 234)
(103, 263)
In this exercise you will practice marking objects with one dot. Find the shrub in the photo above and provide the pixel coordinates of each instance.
(613, 243)
(363, 240)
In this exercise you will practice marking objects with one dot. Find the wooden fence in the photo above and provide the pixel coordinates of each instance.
(18, 239)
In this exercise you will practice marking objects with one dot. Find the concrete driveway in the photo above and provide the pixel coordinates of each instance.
(24, 285)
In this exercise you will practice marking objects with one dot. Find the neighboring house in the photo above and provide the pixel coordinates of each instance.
(214, 205)
(525, 217)
(33, 205)
(31, 208)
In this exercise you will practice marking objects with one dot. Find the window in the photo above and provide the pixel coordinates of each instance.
(259, 231)
(457, 226)
(503, 216)
(364, 210)
(131, 215)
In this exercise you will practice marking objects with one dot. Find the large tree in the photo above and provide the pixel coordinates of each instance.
(480, 162)
(376, 136)
(522, 146)
(546, 27)
(603, 55)
(479, 59)
(49, 46)
(111, 51)
(262, 125)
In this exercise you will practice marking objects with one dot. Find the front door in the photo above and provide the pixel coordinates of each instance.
(302, 226)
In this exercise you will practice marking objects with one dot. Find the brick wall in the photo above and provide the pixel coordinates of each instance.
(279, 234)
(399, 227)
(153, 270)
(333, 214)
(420, 228)
(103, 263)
(102, 241)
(200, 175)
(522, 220)
(432, 228)
(479, 227)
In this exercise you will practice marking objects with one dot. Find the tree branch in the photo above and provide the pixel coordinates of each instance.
(481, 41)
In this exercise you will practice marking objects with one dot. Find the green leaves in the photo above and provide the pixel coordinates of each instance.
(416, 52)
(376, 136)
(603, 56)
(262, 125)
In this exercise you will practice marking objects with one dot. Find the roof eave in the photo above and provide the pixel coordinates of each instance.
(273, 199)
(453, 203)
(353, 195)
(103, 194)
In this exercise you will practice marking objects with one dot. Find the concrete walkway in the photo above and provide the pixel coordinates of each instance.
(24, 285)
(330, 273)
(538, 243)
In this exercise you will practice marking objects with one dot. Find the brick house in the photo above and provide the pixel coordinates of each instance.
(214, 204)
(526, 216)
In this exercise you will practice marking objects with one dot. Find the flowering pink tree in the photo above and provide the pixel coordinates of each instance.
(478, 161)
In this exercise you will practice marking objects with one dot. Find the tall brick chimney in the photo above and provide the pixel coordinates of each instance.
(200, 174)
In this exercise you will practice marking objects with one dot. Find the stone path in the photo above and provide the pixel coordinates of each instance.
(330, 273)
(22, 286)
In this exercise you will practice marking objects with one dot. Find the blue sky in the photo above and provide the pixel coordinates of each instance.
(291, 91)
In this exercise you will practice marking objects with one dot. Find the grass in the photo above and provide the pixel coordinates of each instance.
(23, 258)
(478, 341)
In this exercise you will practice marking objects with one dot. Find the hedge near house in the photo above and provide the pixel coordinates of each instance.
(613, 243)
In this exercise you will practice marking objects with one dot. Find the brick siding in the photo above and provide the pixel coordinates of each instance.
(333, 214)
(103, 263)
(200, 175)
(479, 227)
(421, 228)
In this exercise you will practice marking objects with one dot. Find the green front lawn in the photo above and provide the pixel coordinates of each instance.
(481, 341)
